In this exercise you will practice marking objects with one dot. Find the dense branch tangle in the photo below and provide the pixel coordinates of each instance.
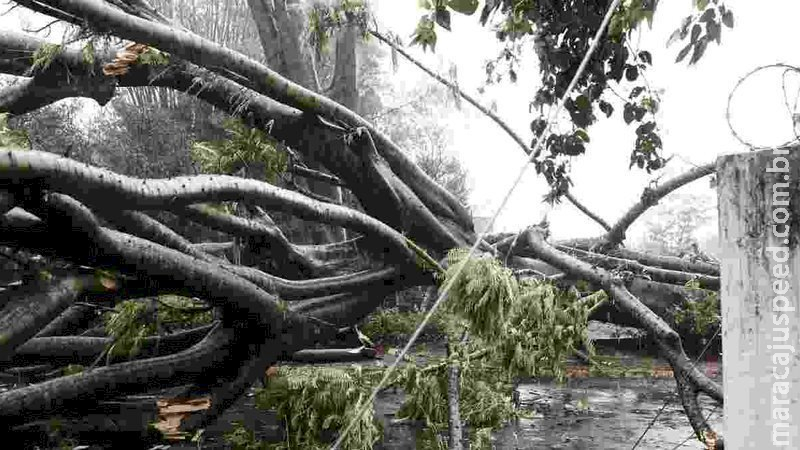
(279, 298)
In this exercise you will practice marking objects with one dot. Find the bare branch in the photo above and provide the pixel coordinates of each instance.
(650, 197)
(587, 211)
(652, 273)
(34, 306)
(316, 175)
(649, 259)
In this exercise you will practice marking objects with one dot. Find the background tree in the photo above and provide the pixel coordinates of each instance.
(673, 226)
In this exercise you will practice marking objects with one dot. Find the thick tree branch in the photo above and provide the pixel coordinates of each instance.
(43, 400)
(668, 339)
(108, 189)
(84, 350)
(314, 139)
(650, 259)
(291, 261)
(34, 306)
(652, 273)
(180, 273)
(650, 197)
(199, 50)
(74, 318)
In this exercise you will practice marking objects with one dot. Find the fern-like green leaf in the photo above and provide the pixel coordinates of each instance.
(44, 55)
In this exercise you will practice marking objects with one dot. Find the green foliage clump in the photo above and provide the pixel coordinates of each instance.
(72, 369)
(126, 327)
(316, 400)
(244, 148)
(485, 400)
(184, 310)
(703, 314)
(482, 294)
(425, 33)
(154, 57)
(531, 327)
(392, 323)
(87, 53)
(44, 55)
(10, 137)
(240, 438)
(627, 17)
(515, 328)
(223, 208)
(546, 325)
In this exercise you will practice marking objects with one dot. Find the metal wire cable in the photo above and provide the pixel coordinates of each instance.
(446, 288)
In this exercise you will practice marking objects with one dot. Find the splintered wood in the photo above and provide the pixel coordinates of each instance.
(172, 411)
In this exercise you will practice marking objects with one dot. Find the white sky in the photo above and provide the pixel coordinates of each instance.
(692, 116)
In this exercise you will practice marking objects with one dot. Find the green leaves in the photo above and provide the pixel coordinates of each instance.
(44, 55)
(546, 326)
(727, 18)
(247, 148)
(703, 314)
(312, 400)
(87, 53)
(706, 26)
(628, 17)
(425, 34)
(442, 18)
(182, 310)
(240, 438)
(582, 102)
(531, 327)
(684, 51)
(153, 56)
(483, 293)
(127, 328)
(582, 135)
(467, 7)
(398, 324)
(72, 369)
(12, 138)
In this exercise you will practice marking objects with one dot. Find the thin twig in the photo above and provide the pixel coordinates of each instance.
(471, 100)
(586, 211)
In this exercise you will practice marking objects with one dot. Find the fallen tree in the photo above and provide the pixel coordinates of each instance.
(103, 231)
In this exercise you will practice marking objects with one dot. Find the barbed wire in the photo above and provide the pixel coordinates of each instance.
(787, 69)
